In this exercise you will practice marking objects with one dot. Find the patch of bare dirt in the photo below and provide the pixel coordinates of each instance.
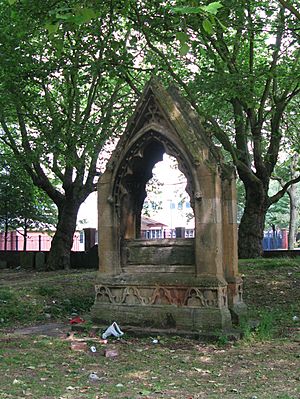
(58, 330)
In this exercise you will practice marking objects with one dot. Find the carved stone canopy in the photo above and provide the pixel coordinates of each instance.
(188, 274)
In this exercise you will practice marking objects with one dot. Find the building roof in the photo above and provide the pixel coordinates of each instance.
(147, 223)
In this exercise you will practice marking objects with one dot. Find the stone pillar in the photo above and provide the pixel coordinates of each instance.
(230, 232)
(284, 239)
(108, 228)
(180, 232)
(230, 249)
(208, 225)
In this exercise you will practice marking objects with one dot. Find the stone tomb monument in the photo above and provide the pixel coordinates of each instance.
(167, 284)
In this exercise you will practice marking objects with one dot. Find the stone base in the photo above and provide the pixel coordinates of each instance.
(163, 317)
(236, 305)
(230, 334)
(238, 310)
(185, 304)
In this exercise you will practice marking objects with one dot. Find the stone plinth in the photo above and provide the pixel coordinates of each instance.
(163, 300)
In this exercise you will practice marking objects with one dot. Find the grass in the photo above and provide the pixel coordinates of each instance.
(272, 293)
(264, 364)
(27, 299)
(268, 264)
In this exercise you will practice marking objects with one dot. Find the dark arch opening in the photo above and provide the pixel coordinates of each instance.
(134, 173)
(139, 171)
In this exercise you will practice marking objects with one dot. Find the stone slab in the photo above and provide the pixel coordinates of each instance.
(164, 317)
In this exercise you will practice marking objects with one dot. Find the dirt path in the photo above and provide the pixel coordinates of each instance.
(14, 277)
(58, 330)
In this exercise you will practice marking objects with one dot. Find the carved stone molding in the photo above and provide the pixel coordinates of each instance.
(103, 294)
(132, 296)
(235, 292)
(153, 114)
(159, 295)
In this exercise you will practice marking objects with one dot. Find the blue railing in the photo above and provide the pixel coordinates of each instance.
(272, 240)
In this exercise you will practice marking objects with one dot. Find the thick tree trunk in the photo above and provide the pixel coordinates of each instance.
(251, 227)
(292, 192)
(59, 255)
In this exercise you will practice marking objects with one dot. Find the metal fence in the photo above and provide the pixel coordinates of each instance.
(33, 243)
(178, 232)
(274, 240)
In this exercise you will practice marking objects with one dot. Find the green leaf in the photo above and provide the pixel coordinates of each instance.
(59, 45)
(222, 25)
(52, 28)
(213, 8)
(202, 52)
(115, 45)
(207, 26)
(182, 37)
(11, 2)
(66, 16)
(87, 14)
(184, 49)
(83, 16)
(187, 10)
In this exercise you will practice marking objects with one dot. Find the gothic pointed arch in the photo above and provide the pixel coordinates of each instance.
(165, 275)
(133, 173)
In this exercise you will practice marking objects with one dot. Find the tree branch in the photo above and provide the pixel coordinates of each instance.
(224, 140)
(275, 139)
(167, 63)
(290, 7)
(284, 189)
(251, 45)
(240, 132)
(273, 65)
(90, 100)
(28, 161)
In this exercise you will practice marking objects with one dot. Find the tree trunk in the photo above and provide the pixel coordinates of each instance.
(251, 227)
(59, 255)
(5, 235)
(25, 235)
(292, 192)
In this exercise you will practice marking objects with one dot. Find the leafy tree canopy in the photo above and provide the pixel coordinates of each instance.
(67, 70)
(22, 205)
(239, 67)
(63, 93)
